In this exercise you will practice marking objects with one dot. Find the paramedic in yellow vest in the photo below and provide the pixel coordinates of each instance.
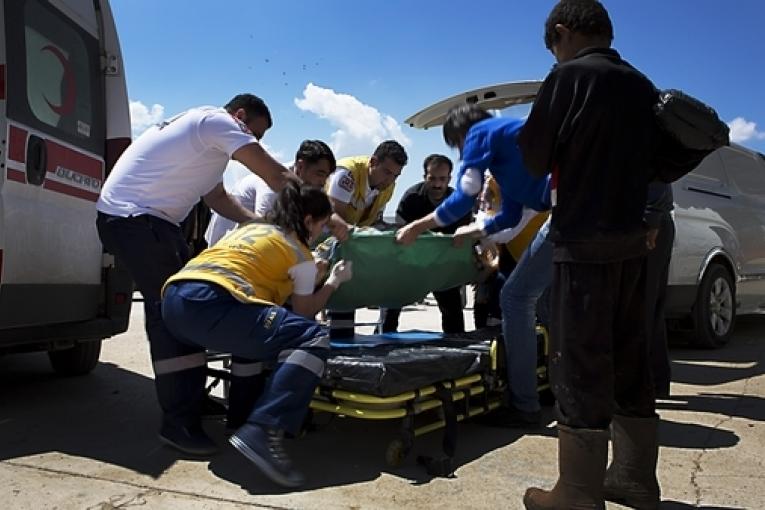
(362, 186)
(230, 299)
(359, 190)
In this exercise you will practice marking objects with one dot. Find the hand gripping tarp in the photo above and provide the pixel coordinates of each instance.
(390, 275)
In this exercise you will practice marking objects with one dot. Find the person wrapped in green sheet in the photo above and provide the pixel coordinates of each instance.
(390, 275)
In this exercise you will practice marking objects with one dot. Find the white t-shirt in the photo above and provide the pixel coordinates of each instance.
(508, 234)
(342, 186)
(254, 194)
(303, 277)
(170, 166)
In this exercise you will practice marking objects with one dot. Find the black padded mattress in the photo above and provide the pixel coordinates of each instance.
(387, 365)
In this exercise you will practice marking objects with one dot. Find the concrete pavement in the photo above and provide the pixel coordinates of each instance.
(90, 443)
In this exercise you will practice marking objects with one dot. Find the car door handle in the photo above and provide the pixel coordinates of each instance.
(37, 160)
(707, 192)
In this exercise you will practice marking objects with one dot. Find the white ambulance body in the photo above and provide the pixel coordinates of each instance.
(64, 120)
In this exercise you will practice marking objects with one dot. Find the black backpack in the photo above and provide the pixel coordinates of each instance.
(688, 131)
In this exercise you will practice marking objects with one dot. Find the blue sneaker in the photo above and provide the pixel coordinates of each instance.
(263, 447)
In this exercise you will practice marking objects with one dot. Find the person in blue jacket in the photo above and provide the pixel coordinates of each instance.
(490, 143)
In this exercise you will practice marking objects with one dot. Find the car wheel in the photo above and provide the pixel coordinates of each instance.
(77, 360)
(715, 310)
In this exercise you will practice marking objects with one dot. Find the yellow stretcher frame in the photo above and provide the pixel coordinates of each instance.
(405, 406)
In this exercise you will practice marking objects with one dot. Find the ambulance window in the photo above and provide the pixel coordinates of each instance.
(54, 79)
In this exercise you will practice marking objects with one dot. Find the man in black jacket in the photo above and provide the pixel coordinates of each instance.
(417, 202)
(592, 127)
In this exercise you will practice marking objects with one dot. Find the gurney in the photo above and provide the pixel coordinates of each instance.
(427, 384)
(427, 381)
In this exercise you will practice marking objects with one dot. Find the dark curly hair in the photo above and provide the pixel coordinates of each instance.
(313, 151)
(296, 201)
(392, 150)
(586, 17)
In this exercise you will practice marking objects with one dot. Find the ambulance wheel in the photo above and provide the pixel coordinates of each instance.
(80, 359)
(397, 451)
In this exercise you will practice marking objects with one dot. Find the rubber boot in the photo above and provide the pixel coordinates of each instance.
(582, 457)
(631, 477)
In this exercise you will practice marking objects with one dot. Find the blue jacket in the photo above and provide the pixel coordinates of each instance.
(492, 144)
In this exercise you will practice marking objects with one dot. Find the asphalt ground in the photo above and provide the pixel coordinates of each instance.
(90, 442)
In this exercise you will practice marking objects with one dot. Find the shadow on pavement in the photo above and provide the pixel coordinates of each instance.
(743, 357)
(694, 436)
(346, 451)
(678, 505)
(110, 415)
(741, 406)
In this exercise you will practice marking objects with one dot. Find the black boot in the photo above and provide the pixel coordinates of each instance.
(582, 456)
(631, 477)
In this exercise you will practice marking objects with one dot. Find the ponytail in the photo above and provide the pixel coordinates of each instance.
(296, 201)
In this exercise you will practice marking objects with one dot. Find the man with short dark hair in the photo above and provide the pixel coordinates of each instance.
(150, 190)
(592, 127)
(359, 190)
(419, 201)
(363, 185)
(314, 163)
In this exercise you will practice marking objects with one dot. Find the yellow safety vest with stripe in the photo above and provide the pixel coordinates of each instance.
(252, 263)
(362, 216)
(517, 245)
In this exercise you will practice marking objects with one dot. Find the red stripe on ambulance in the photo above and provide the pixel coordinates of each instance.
(17, 144)
(17, 175)
(70, 190)
(64, 157)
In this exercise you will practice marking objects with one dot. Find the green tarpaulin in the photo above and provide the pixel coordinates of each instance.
(389, 275)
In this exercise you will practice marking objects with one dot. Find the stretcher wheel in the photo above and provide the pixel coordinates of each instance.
(397, 451)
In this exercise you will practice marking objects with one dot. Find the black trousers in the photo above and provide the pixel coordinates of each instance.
(657, 273)
(153, 249)
(449, 302)
(599, 352)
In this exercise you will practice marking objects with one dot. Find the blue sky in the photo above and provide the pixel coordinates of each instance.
(349, 72)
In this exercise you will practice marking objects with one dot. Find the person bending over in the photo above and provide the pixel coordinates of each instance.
(230, 299)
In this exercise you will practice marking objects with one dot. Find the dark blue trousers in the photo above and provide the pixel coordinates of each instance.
(206, 315)
(153, 249)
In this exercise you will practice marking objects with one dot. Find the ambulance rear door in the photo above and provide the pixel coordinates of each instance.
(53, 133)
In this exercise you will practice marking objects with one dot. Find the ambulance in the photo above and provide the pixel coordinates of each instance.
(64, 120)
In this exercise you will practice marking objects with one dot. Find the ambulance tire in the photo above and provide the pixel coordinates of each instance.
(78, 360)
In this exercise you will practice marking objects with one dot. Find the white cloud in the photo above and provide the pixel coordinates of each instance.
(742, 130)
(360, 127)
(142, 117)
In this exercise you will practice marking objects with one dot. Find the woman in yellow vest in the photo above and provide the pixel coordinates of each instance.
(230, 299)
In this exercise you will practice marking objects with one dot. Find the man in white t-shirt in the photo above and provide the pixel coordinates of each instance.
(150, 190)
(314, 162)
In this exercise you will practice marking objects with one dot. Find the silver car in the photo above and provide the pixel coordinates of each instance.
(718, 257)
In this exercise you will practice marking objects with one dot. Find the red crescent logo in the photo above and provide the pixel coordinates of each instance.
(67, 104)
